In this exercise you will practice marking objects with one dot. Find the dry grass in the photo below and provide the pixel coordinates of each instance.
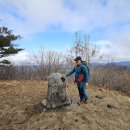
(18, 98)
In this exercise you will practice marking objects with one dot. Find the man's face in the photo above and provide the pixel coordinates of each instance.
(78, 62)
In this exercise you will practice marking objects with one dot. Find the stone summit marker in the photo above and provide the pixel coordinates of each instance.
(57, 96)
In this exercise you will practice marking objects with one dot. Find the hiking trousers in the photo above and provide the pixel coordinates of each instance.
(82, 91)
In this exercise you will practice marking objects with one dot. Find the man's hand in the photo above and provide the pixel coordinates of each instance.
(86, 84)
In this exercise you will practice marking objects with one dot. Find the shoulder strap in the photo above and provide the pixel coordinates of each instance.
(82, 68)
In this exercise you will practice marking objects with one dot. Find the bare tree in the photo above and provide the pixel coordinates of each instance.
(48, 61)
(82, 47)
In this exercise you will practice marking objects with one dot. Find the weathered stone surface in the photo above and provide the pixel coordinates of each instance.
(57, 95)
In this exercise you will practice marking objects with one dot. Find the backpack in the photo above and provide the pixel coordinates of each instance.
(81, 78)
(86, 64)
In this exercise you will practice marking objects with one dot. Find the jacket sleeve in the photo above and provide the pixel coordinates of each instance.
(70, 73)
(86, 74)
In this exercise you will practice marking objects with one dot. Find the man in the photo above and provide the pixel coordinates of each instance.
(81, 78)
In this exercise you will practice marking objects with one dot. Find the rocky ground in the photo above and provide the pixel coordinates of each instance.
(19, 101)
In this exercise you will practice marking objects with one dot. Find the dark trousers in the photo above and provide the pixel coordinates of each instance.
(82, 91)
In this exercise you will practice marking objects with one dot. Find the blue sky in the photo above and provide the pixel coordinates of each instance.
(52, 24)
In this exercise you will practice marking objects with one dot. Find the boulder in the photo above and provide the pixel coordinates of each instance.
(57, 96)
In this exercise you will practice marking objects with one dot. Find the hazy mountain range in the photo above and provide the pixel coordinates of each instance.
(121, 63)
(124, 63)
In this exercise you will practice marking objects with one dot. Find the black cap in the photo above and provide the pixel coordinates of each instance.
(78, 58)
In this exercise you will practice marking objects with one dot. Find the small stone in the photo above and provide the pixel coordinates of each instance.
(99, 97)
(76, 120)
(44, 102)
(110, 106)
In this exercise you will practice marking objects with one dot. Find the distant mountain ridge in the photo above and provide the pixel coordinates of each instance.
(120, 63)
(123, 63)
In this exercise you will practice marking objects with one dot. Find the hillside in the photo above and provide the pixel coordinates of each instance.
(106, 109)
(124, 63)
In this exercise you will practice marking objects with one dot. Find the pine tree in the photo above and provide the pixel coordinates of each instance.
(7, 48)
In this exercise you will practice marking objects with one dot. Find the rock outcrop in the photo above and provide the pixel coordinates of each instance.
(57, 95)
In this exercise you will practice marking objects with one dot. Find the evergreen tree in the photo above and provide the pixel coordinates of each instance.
(7, 48)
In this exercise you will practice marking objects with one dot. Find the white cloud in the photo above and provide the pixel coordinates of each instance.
(27, 17)
(114, 51)
(22, 57)
(86, 15)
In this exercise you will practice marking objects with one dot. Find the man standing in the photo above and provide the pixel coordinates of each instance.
(81, 78)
